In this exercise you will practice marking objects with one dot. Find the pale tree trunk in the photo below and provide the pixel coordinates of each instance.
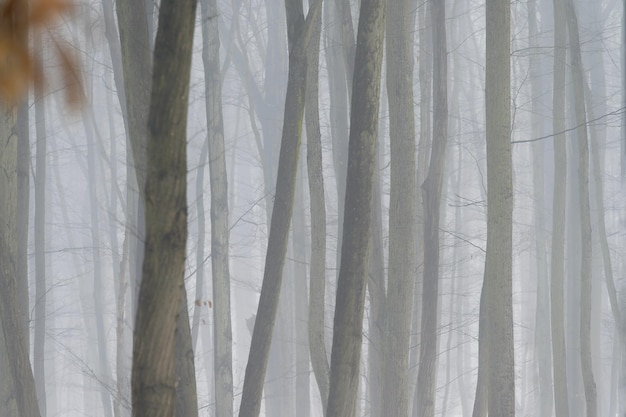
(585, 215)
(299, 33)
(431, 196)
(498, 264)
(300, 297)
(23, 214)
(39, 342)
(222, 328)
(162, 284)
(317, 269)
(199, 298)
(401, 270)
(425, 68)
(377, 298)
(118, 261)
(136, 63)
(350, 300)
(103, 368)
(623, 77)
(543, 363)
(557, 304)
(17, 386)
(340, 47)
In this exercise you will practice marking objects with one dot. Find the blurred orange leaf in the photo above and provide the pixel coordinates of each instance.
(18, 19)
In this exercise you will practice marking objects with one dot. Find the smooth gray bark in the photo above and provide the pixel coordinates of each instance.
(585, 215)
(317, 269)
(498, 264)
(431, 198)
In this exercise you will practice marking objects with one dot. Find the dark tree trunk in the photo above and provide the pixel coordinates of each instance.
(162, 284)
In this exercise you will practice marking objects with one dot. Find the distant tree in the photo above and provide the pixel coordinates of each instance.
(18, 73)
(557, 262)
(299, 32)
(17, 385)
(222, 331)
(431, 198)
(578, 82)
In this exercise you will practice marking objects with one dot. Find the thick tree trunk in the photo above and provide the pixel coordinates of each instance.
(347, 336)
(162, 284)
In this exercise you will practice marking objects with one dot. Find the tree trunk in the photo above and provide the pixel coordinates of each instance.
(317, 269)
(162, 284)
(299, 33)
(557, 304)
(585, 215)
(431, 189)
(17, 388)
(543, 363)
(401, 270)
(39, 342)
(349, 306)
(498, 264)
(222, 329)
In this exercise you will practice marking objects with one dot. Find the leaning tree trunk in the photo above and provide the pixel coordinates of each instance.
(498, 265)
(299, 32)
(162, 284)
(350, 301)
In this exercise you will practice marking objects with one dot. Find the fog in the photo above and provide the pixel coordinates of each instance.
(74, 241)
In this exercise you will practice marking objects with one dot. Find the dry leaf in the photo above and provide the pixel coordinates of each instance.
(18, 18)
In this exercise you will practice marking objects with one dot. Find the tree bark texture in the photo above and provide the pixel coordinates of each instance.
(347, 336)
(162, 284)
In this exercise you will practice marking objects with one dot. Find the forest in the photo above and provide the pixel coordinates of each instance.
(320, 208)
